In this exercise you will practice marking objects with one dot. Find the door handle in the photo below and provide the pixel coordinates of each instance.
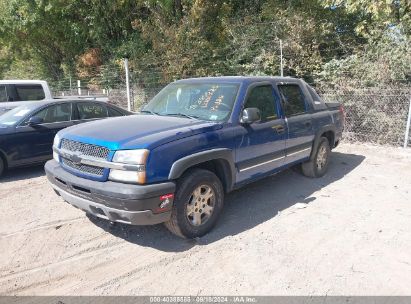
(307, 124)
(279, 128)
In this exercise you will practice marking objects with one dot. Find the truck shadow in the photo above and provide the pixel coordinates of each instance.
(245, 208)
(23, 173)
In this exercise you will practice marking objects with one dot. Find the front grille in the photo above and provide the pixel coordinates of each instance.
(83, 168)
(97, 152)
(85, 149)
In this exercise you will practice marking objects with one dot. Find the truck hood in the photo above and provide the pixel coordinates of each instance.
(137, 131)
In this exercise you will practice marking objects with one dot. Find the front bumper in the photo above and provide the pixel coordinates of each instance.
(116, 202)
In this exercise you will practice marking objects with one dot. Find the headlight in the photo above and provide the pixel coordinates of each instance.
(133, 157)
(136, 157)
(56, 143)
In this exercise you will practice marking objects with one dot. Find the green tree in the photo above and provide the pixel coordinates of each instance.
(377, 15)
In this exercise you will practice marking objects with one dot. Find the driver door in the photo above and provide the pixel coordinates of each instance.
(36, 141)
(261, 145)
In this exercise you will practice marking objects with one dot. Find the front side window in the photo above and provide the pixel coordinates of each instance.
(262, 98)
(54, 113)
(292, 99)
(88, 110)
(29, 92)
(3, 93)
(206, 101)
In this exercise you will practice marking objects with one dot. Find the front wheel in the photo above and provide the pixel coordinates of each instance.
(318, 165)
(2, 166)
(198, 203)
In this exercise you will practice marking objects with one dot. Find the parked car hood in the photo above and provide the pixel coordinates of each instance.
(137, 131)
(7, 106)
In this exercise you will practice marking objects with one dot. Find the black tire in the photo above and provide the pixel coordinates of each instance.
(2, 166)
(180, 222)
(317, 166)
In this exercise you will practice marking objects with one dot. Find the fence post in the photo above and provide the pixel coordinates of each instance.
(127, 84)
(71, 92)
(78, 87)
(407, 130)
(281, 58)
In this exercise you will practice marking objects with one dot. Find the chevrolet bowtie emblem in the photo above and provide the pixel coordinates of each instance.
(75, 158)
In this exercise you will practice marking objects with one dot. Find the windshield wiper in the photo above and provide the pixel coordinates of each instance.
(181, 114)
(170, 114)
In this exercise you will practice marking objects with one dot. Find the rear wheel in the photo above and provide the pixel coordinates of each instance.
(197, 205)
(318, 165)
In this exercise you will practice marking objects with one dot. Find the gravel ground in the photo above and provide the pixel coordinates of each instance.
(348, 233)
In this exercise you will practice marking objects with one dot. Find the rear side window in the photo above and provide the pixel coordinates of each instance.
(88, 110)
(114, 112)
(29, 91)
(262, 98)
(292, 99)
(3, 93)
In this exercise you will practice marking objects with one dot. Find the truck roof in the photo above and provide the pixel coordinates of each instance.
(20, 81)
(59, 100)
(237, 79)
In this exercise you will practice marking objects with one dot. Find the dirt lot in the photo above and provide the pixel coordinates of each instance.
(346, 233)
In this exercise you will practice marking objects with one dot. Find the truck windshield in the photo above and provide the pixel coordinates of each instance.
(205, 101)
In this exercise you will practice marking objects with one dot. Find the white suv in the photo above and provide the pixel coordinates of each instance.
(14, 93)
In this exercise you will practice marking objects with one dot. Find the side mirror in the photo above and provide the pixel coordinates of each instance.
(250, 115)
(34, 120)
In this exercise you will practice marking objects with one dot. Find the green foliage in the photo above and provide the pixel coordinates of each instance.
(385, 61)
(169, 39)
(377, 15)
(25, 69)
(40, 30)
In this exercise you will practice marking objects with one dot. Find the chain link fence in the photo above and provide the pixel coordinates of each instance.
(375, 115)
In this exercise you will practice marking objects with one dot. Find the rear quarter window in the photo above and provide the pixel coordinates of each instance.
(318, 102)
(313, 94)
(29, 92)
(114, 112)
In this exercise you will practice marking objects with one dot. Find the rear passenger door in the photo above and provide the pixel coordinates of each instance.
(298, 120)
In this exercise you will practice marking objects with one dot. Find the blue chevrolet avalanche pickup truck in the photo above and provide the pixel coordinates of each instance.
(196, 140)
